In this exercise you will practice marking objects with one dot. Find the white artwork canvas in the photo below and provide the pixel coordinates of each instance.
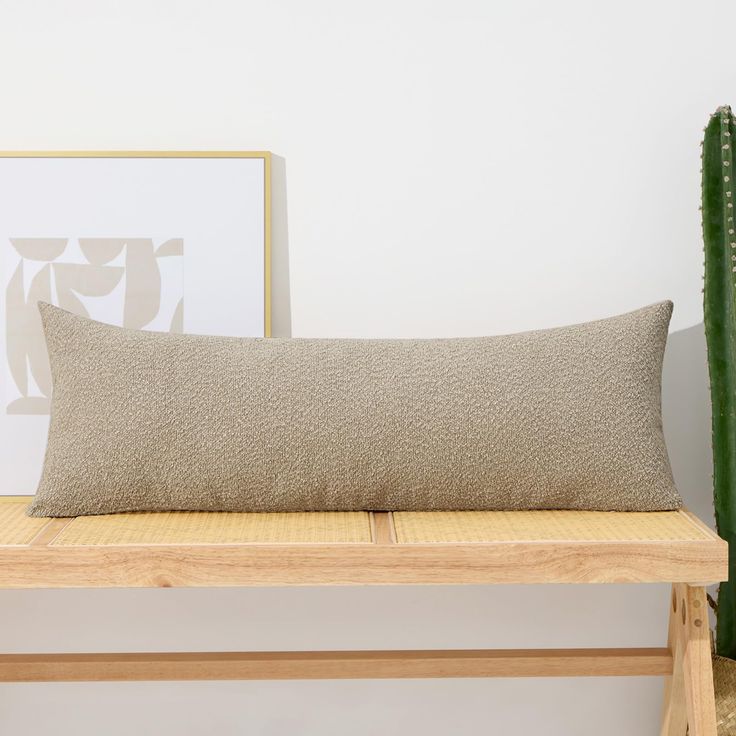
(169, 243)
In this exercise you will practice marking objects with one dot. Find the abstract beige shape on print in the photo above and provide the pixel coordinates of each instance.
(142, 283)
(25, 350)
(15, 304)
(39, 249)
(99, 251)
(173, 247)
(177, 321)
(84, 279)
(142, 299)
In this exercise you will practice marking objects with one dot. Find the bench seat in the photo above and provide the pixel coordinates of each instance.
(184, 549)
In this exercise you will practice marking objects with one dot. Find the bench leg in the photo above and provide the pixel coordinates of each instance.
(674, 713)
(689, 705)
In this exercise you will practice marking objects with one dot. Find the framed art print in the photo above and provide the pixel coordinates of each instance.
(166, 241)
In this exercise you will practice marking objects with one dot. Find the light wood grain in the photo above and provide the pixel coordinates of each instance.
(689, 706)
(333, 665)
(382, 528)
(696, 522)
(697, 662)
(202, 550)
(369, 564)
(50, 532)
(674, 713)
(17, 529)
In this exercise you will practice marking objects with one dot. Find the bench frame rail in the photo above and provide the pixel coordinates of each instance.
(336, 665)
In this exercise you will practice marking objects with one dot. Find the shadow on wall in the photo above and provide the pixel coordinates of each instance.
(280, 284)
(686, 417)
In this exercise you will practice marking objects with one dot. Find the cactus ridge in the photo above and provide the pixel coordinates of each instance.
(719, 293)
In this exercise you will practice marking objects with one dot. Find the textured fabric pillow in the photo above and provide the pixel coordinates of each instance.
(566, 418)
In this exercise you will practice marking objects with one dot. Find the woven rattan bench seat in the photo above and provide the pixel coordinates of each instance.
(334, 548)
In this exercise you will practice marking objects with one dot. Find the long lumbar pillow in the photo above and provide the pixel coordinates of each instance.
(566, 418)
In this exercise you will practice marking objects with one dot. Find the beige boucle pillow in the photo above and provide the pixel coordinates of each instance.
(567, 418)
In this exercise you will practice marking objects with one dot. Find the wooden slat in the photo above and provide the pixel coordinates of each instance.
(382, 528)
(17, 529)
(674, 714)
(697, 522)
(697, 664)
(333, 665)
(346, 564)
(50, 532)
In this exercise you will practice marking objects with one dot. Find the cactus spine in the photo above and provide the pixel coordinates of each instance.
(719, 237)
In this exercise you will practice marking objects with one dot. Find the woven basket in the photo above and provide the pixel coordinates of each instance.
(724, 675)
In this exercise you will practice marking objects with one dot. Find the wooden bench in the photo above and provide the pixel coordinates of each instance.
(407, 548)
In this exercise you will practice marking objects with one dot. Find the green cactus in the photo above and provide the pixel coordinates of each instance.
(719, 237)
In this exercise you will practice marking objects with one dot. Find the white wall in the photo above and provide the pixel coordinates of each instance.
(452, 168)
